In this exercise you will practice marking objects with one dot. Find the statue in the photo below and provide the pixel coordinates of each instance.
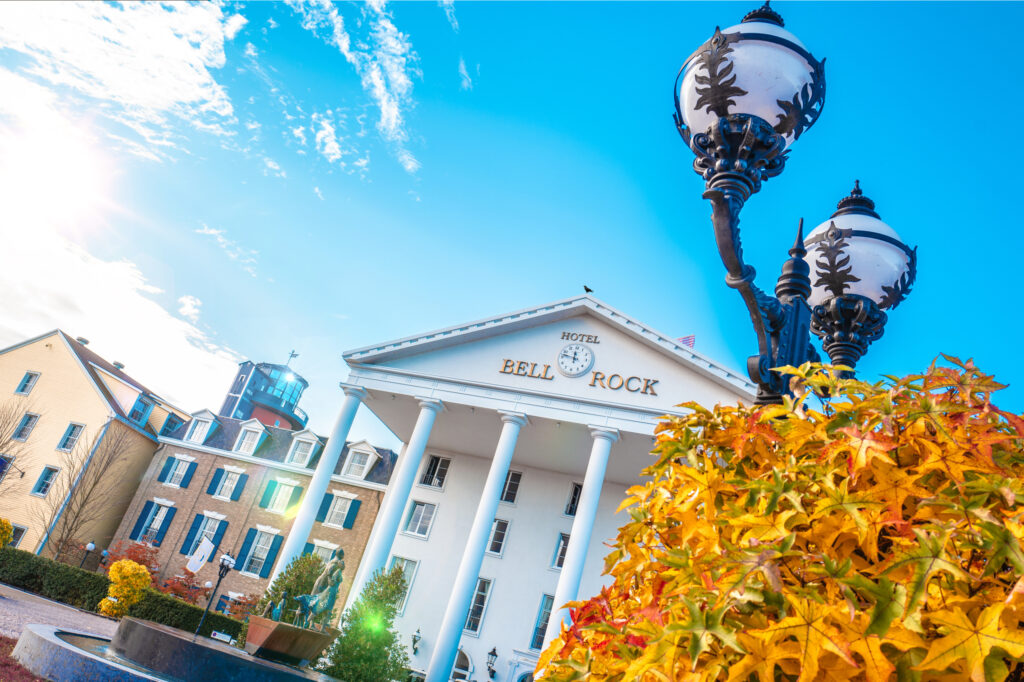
(272, 610)
(317, 607)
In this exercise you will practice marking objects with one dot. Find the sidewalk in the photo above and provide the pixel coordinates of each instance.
(18, 608)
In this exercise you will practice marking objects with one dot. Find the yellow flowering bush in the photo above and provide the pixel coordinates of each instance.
(128, 580)
(6, 532)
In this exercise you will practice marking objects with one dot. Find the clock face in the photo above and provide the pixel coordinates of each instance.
(575, 359)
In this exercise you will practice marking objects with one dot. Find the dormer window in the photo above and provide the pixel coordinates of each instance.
(247, 442)
(358, 464)
(300, 452)
(140, 411)
(197, 432)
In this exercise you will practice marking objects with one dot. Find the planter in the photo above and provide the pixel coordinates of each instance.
(286, 643)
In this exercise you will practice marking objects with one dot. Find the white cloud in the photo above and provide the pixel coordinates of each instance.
(147, 64)
(449, 13)
(250, 51)
(466, 82)
(316, 191)
(271, 167)
(299, 133)
(247, 258)
(326, 137)
(271, 24)
(188, 307)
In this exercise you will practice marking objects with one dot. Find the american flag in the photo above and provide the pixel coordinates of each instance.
(687, 340)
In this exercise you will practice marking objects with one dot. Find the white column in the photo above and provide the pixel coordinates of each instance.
(582, 527)
(399, 487)
(298, 535)
(446, 646)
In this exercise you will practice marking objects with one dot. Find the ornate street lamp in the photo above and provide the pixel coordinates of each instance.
(416, 637)
(742, 99)
(492, 658)
(88, 550)
(226, 564)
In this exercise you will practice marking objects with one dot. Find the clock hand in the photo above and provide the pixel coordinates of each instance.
(574, 356)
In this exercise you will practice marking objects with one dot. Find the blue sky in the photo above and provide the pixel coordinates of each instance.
(192, 185)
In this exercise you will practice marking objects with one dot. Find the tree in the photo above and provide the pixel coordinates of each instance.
(128, 583)
(297, 578)
(873, 536)
(12, 468)
(185, 587)
(369, 649)
(84, 490)
(139, 552)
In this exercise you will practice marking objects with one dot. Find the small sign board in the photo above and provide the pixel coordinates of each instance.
(200, 555)
(222, 636)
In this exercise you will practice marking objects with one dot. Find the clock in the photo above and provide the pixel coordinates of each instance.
(575, 360)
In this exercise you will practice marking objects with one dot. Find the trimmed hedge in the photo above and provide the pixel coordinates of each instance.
(57, 581)
(168, 610)
(84, 590)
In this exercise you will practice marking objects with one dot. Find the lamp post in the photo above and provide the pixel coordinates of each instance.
(741, 100)
(492, 658)
(226, 564)
(416, 637)
(88, 550)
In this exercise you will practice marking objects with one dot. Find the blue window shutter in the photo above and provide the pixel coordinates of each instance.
(171, 511)
(217, 537)
(308, 549)
(187, 478)
(268, 493)
(215, 481)
(147, 509)
(350, 518)
(325, 506)
(243, 553)
(268, 565)
(296, 496)
(239, 487)
(166, 470)
(191, 535)
(222, 604)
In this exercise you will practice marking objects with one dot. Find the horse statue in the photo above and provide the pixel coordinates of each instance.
(317, 607)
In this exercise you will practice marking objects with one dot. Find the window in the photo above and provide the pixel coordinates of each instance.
(563, 544)
(171, 424)
(357, 464)
(301, 450)
(5, 464)
(511, 489)
(197, 432)
(258, 556)
(543, 616)
(19, 533)
(25, 426)
(420, 517)
(207, 529)
(338, 511)
(67, 443)
(140, 410)
(499, 531)
(226, 485)
(437, 470)
(408, 567)
(281, 497)
(152, 526)
(462, 668)
(325, 553)
(247, 442)
(476, 610)
(45, 481)
(177, 472)
(27, 383)
(574, 499)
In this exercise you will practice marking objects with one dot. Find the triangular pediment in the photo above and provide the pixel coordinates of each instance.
(605, 355)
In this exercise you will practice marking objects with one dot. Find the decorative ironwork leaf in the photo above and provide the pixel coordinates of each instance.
(834, 271)
(800, 114)
(893, 295)
(719, 85)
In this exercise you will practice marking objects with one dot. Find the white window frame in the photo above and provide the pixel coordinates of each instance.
(408, 581)
(292, 452)
(328, 547)
(408, 519)
(175, 469)
(504, 487)
(19, 427)
(31, 384)
(74, 442)
(260, 533)
(209, 522)
(194, 428)
(240, 441)
(56, 472)
(333, 510)
(370, 461)
(426, 468)
(277, 499)
(504, 540)
(158, 507)
(15, 527)
(483, 611)
(220, 493)
(561, 549)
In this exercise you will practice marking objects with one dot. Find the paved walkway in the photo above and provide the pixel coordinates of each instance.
(18, 608)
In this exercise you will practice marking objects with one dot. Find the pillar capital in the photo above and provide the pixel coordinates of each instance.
(605, 432)
(432, 404)
(353, 390)
(514, 418)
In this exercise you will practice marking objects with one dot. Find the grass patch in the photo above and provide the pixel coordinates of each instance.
(10, 669)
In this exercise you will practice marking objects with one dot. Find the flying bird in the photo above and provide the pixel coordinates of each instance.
(587, 289)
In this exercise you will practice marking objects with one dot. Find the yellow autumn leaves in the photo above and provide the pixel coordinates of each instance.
(128, 581)
(863, 532)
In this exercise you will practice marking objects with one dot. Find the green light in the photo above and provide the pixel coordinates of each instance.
(373, 622)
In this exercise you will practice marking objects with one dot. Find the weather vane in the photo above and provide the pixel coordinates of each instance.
(291, 356)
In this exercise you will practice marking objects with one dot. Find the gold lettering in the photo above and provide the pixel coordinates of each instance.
(565, 336)
(533, 366)
(508, 366)
(613, 378)
(631, 379)
(649, 386)
(598, 379)
(521, 368)
(547, 373)
(595, 340)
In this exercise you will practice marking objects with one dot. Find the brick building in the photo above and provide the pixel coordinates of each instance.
(239, 482)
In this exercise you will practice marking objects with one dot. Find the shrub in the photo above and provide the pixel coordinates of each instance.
(63, 583)
(875, 536)
(165, 609)
(185, 587)
(127, 582)
(6, 532)
(139, 552)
